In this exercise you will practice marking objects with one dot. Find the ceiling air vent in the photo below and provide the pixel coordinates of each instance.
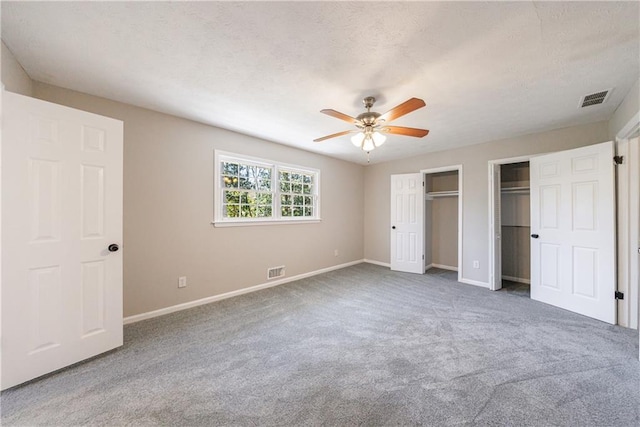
(594, 98)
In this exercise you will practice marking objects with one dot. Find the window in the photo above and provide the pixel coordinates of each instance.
(251, 190)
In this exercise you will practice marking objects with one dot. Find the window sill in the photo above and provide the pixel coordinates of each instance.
(246, 223)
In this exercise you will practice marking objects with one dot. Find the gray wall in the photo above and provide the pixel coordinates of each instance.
(475, 188)
(14, 78)
(168, 208)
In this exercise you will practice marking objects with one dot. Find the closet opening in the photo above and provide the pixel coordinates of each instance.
(442, 246)
(510, 226)
(515, 228)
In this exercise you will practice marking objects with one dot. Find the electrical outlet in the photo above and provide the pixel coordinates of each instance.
(476, 264)
(335, 252)
(182, 282)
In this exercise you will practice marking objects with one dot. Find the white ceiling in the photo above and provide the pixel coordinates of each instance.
(486, 70)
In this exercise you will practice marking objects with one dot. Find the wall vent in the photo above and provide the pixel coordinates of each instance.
(275, 272)
(595, 98)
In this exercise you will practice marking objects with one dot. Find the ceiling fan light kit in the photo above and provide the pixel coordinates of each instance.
(371, 125)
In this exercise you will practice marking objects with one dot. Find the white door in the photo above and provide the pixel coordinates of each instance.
(407, 223)
(573, 231)
(61, 211)
(496, 229)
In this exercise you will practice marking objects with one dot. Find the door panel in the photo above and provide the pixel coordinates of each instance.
(62, 207)
(407, 220)
(572, 211)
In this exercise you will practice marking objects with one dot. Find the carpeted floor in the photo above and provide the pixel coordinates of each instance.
(357, 346)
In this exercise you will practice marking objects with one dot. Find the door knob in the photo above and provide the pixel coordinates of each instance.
(113, 247)
(535, 236)
(393, 227)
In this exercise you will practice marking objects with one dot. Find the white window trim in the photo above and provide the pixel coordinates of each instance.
(220, 221)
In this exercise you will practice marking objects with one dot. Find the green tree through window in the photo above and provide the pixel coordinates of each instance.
(253, 190)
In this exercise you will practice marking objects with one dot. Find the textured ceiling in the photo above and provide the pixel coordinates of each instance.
(486, 70)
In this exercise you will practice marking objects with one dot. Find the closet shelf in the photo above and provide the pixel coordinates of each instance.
(435, 194)
(515, 190)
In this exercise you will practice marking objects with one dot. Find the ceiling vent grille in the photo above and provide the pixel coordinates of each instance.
(594, 98)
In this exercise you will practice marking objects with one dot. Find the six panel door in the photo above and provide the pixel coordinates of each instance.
(573, 230)
(61, 209)
(407, 223)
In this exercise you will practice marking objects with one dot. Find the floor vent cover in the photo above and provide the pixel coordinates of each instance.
(275, 272)
(594, 98)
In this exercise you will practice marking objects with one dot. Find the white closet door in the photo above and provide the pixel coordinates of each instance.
(573, 231)
(61, 212)
(407, 223)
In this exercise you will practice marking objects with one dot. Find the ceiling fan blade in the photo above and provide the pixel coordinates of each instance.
(339, 115)
(399, 130)
(402, 109)
(334, 135)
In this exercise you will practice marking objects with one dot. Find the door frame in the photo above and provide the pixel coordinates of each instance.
(494, 192)
(629, 220)
(449, 168)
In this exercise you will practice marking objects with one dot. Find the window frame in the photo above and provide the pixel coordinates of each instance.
(219, 220)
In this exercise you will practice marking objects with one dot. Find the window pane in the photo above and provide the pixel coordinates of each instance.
(307, 189)
(263, 198)
(296, 188)
(246, 184)
(308, 201)
(243, 171)
(285, 199)
(245, 211)
(264, 211)
(231, 211)
(265, 185)
(285, 187)
(307, 179)
(298, 200)
(229, 168)
(296, 177)
(232, 196)
(229, 181)
(286, 211)
(297, 211)
(284, 176)
(308, 211)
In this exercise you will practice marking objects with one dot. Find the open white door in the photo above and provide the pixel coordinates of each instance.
(573, 231)
(495, 229)
(407, 223)
(61, 216)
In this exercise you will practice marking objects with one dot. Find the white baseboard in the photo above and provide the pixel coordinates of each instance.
(517, 279)
(383, 264)
(474, 282)
(442, 266)
(207, 300)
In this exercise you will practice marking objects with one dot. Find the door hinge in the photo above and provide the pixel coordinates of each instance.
(422, 256)
(618, 159)
(619, 295)
(423, 183)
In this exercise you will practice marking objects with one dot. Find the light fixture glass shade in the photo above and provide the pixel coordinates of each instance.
(378, 138)
(368, 144)
(357, 139)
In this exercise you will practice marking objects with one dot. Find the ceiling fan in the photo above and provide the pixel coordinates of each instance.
(371, 126)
